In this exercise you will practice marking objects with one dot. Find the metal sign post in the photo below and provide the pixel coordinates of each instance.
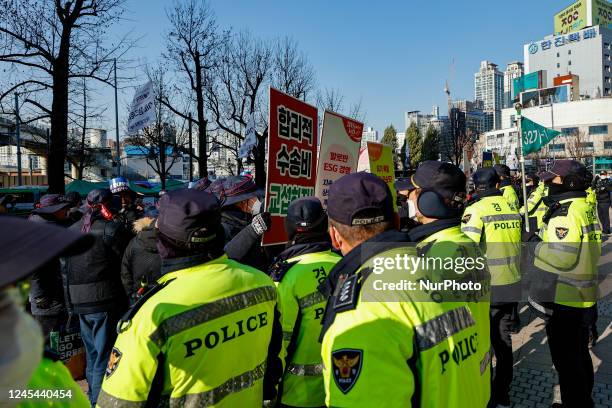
(518, 108)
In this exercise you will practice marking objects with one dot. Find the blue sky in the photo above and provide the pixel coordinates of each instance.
(394, 55)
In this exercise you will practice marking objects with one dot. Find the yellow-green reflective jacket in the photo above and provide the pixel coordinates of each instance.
(387, 349)
(301, 308)
(53, 375)
(510, 196)
(201, 340)
(570, 248)
(535, 204)
(491, 222)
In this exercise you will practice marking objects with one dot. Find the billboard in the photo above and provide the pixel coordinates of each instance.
(339, 151)
(533, 80)
(292, 165)
(571, 18)
(602, 13)
(546, 96)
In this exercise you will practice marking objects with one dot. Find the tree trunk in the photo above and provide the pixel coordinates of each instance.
(59, 123)
(162, 165)
(202, 122)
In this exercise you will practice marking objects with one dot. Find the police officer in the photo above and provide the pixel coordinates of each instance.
(489, 221)
(201, 336)
(382, 348)
(567, 261)
(298, 271)
(536, 206)
(506, 186)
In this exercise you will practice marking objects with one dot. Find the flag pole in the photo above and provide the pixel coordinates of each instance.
(518, 108)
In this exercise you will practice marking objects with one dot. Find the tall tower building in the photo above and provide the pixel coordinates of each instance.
(514, 69)
(489, 88)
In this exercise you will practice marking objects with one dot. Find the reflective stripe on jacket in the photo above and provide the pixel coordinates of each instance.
(201, 340)
(301, 307)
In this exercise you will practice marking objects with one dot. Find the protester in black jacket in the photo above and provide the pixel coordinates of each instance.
(242, 220)
(602, 188)
(46, 288)
(94, 284)
(141, 265)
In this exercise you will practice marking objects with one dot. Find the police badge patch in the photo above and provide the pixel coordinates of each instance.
(466, 218)
(346, 365)
(113, 362)
(561, 232)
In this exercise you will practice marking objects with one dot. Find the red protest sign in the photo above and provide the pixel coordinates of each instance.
(292, 159)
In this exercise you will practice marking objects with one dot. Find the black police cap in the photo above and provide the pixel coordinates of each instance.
(565, 168)
(485, 177)
(502, 170)
(444, 178)
(189, 216)
(360, 199)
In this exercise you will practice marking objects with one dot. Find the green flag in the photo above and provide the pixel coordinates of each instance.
(535, 136)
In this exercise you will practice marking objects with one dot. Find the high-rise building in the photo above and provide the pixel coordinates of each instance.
(368, 135)
(422, 120)
(489, 88)
(476, 120)
(586, 53)
(514, 69)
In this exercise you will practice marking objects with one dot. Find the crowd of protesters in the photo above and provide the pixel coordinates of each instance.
(138, 250)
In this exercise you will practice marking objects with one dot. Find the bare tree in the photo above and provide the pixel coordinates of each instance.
(576, 145)
(459, 140)
(292, 72)
(330, 99)
(194, 45)
(80, 154)
(46, 43)
(239, 91)
(162, 141)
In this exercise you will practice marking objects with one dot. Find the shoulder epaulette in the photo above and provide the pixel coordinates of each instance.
(348, 294)
(279, 269)
(126, 319)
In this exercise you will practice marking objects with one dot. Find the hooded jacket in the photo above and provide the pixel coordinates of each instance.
(141, 262)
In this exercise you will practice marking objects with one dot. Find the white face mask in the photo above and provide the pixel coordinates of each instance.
(256, 208)
(21, 347)
(412, 210)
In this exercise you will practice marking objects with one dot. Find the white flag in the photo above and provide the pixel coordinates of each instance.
(250, 138)
(142, 110)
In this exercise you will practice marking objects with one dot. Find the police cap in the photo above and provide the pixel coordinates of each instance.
(502, 170)
(189, 216)
(360, 199)
(485, 178)
(564, 168)
(444, 178)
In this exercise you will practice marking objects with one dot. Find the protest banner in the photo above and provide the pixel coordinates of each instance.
(142, 109)
(363, 164)
(381, 164)
(338, 153)
(292, 152)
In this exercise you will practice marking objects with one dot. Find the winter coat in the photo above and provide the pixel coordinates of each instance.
(141, 265)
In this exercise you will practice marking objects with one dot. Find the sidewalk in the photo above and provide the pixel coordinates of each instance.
(535, 379)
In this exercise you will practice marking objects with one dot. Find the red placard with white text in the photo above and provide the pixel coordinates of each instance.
(292, 159)
(339, 151)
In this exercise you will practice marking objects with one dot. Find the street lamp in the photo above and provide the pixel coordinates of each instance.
(114, 60)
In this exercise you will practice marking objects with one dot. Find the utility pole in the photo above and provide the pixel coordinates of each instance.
(117, 120)
(18, 139)
(518, 108)
(190, 152)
